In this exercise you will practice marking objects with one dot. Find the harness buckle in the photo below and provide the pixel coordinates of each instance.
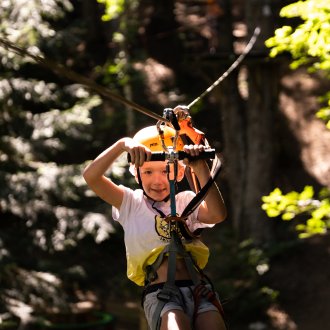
(164, 296)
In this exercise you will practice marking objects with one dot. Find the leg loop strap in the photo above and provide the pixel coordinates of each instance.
(166, 295)
(202, 291)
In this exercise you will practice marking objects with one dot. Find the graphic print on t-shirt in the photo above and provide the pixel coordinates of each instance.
(163, 229)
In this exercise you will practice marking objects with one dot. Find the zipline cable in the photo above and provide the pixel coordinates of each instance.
(231, 68)
(61, 70)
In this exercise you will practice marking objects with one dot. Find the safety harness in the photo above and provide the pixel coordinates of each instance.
(175, 249)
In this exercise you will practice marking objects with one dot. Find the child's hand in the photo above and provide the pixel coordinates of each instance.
(194, 150)
(138, 152)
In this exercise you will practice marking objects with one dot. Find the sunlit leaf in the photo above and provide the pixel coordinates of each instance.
(293, 204)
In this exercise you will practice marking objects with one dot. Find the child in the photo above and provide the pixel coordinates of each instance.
(141, 213)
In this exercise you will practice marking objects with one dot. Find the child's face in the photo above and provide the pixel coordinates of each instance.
(154, 179)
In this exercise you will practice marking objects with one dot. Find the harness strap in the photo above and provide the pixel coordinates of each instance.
(193, 269)
(151, 270)
(190, 208)
(190, 264)
(202, 291)
(164, 296)
(176, 247)
(169, 289)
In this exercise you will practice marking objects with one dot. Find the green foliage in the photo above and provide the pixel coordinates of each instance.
(293, 204)
(324, 113)
(309, 42)
(113, 8)
(122, 13)
(25, 24)
(39, 287)
(240, 268)
(46, 134)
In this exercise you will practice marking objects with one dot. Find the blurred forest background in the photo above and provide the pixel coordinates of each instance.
(60, 250)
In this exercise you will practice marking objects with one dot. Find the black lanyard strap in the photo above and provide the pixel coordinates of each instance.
(191, 207)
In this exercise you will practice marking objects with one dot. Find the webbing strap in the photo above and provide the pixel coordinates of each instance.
(172, 254)
(216, 167)
(187, 258)
(151, 270)
(170, 289)
(164, 296)
(193, 270)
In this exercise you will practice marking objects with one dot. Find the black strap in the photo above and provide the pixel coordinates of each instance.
(169, 289)
(161, 213)
(190, 208)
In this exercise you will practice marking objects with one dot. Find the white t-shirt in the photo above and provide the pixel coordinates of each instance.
(146, 233)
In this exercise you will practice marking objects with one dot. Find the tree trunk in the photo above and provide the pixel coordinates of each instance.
(249, 131)
(232, 115)
(260, 150)
(263, 80)
(235, 146)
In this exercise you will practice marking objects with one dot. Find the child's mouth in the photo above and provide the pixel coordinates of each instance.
(158, 191)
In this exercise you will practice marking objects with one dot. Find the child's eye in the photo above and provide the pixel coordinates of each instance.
(147, 172)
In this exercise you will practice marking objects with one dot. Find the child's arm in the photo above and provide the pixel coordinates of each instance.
(94, 172)
(212, 209)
